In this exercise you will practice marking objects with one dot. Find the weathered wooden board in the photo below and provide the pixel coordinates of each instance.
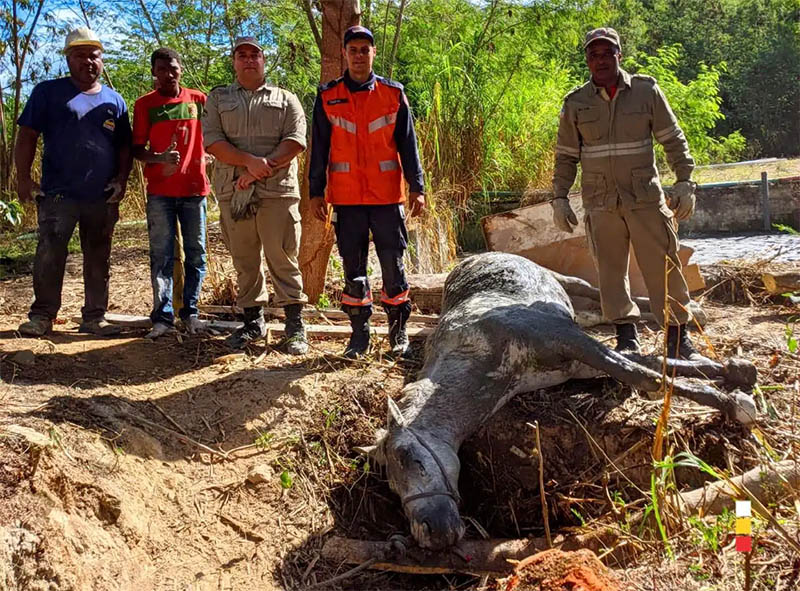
(530, 232)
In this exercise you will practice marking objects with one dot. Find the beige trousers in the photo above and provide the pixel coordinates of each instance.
(275, 229)
(652, 233)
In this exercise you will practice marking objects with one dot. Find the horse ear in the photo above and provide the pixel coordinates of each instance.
(375, 452)
(395, 417)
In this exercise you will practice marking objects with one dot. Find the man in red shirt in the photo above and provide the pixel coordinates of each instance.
(168, 138)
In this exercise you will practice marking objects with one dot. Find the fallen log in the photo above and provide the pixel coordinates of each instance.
(276, 328)
(780, 283)
(474, 557)
(763, 483)
(316, 313)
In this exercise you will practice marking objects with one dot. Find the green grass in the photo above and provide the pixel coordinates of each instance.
(17, 252)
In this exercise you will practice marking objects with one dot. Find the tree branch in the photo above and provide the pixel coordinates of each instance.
(312, 22)
(396, 42)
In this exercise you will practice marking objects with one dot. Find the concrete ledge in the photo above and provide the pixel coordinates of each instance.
(737, 207)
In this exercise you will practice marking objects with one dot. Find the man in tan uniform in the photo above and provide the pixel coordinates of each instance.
(608, 125)
(255, 131)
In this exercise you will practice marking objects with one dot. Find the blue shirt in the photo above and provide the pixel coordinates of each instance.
(404, 137)
(82, 135)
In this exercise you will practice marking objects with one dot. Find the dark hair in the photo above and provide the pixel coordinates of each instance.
(164, 53)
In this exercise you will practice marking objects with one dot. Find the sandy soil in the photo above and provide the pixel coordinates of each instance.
(119, 480)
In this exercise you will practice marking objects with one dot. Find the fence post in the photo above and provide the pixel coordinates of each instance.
(765, 202)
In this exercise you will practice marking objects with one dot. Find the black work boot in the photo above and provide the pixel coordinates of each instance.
(254, 328)
(295, 339)
(359, 340)
(398, 339)
(679, 345)
(627, 338)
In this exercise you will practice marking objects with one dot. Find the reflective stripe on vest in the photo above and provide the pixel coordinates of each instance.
(353, 301)
(388, 165)
(619, 149)
(383, 121)
(339, 167)
(400, 298)
(343, 123)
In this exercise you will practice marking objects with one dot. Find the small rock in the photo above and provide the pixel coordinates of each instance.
(230, 358)
(25, 357)
(259, 474)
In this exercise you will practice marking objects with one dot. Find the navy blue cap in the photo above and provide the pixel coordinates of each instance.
(358, 32)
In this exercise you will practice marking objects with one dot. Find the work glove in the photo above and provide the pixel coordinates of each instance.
(563, 216)
(114, 191)
(244, 203)
(682, 199)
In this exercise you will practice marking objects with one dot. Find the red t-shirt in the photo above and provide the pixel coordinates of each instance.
(162, 120)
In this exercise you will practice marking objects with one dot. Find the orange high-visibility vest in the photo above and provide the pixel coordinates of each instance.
(363, 164)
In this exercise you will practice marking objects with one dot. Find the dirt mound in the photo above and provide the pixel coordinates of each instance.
(554, 570)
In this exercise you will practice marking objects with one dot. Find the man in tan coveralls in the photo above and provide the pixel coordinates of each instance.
(608, 125)
(255, 131)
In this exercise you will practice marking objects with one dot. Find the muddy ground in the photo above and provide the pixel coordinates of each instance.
(112, 473)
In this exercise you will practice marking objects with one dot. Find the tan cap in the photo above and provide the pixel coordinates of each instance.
(247, 40)
(82, 36)
(604, 33)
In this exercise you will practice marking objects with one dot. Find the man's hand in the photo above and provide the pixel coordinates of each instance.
(416, 203)
(682, 200)
(563, 216)
(27, 189)
(319, 208)
(115, 190)
(170, 155)
(245, 181)
(259, 167)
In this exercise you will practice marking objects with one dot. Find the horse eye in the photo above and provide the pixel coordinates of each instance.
(421, 467)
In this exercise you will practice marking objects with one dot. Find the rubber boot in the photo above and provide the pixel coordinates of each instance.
(295, 340)
(679, 345)
(627, 338)
(254, 328)
(398, 339)
(359, 339)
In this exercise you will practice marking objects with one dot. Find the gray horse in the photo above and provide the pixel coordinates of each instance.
(507, 326)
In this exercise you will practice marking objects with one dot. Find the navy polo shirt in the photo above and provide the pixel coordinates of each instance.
(82, 135)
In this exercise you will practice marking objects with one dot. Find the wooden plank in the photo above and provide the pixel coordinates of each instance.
(342, 330)
(525, 228)
(316, 313)
(694, 279)
(529, 232)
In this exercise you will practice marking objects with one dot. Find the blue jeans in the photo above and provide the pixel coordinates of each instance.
(162, 215)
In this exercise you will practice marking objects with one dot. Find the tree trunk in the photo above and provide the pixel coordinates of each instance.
(317, 239)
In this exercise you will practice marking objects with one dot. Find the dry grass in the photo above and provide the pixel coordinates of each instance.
(743, 172)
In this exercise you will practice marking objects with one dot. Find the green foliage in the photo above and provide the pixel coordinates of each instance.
(263, 440)
(287, 481)
(786, 229)
(696, 104)
(324, 302)
(709, 532)
(10, 213)
(791, 340)
(759, 40)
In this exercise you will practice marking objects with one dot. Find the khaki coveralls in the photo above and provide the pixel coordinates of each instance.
(257, 122)
(613, 141)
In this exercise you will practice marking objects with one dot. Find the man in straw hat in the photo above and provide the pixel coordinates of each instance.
(85, 166)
